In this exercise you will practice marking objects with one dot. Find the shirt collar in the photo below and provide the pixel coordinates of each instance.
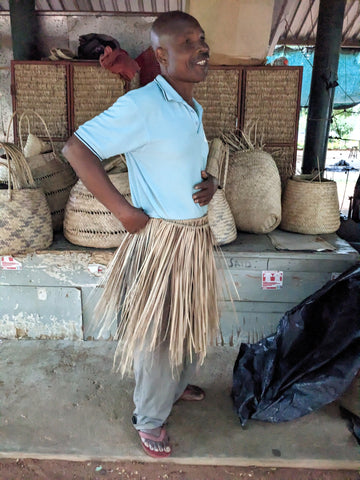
(170, 94)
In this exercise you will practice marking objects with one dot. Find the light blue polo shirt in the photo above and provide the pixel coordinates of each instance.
(164, 143)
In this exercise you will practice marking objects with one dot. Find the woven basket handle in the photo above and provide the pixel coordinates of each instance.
(19, 173)
(25, 115)
(225, 164)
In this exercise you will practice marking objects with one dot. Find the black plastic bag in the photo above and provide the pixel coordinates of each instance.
(309, 362)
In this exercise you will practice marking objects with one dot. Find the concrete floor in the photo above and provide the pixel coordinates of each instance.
(59, 399)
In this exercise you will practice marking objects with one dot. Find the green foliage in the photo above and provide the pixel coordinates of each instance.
(343, 128)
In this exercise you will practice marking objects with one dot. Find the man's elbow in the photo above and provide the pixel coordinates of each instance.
(69, 148)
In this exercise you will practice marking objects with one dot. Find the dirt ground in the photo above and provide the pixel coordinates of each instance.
(28, 469)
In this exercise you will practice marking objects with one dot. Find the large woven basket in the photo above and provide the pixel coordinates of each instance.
(53, 174)
(254, 191)
(221, 220)
(88, 223)
(25, 215)
(310, 207)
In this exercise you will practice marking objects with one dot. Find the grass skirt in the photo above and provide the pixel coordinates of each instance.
(162, 286)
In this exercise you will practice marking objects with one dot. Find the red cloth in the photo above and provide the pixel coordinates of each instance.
(119, 61)
(149, 66)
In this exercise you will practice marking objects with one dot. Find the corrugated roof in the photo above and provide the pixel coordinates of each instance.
(294, 21)
(103, 6)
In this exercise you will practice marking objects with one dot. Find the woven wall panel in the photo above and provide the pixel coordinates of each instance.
(43, 88)
(95, 90)
(284, 159)
(218, 96)
(271, 100)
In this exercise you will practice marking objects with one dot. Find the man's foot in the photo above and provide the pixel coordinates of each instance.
(155, 442)
(192, 393)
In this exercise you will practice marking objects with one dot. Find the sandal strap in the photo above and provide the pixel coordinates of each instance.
(149, 436)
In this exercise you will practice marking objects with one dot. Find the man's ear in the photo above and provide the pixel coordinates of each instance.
(161, 55)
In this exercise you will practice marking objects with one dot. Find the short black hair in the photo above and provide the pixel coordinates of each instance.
(166, 22)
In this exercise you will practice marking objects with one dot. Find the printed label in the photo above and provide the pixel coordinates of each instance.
(96, 269)
(9, 263)
(272, 280)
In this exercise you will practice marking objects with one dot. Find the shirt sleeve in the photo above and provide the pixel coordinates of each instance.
(119, 129)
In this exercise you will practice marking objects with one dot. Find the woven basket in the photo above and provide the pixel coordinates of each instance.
(221, 219)
(310, 207)
(254, 191)
(25, 215)
(89, 223)
(53, 174)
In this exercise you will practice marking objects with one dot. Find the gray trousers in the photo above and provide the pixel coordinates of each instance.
(156, 389)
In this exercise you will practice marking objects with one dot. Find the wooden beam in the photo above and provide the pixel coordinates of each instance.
(24, 30)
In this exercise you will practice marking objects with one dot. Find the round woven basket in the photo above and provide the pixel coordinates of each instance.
(310, 207)
(254, 191)
(56, 178)
(53, 174)
(25, 221)
(25, 215)
(88, 222)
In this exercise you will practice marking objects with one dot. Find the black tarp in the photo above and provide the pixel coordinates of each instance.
(309, 362)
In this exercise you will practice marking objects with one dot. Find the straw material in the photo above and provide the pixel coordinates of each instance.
(50, 97)
(166, 260)
(52, 173)
(88, 222)
(221, 219)
(254, 191)
(56, 178)
(109, 87)
(253, 186)
(218, 95)
(34, 146)
(310, 207)
(271, 101)
(25, 215)
(285, 159)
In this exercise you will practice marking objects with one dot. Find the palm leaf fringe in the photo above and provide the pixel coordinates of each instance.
(164, 282)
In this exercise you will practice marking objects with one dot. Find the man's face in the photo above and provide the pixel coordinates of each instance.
(187, 54)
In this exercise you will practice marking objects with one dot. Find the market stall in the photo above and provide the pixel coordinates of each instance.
(266, 276)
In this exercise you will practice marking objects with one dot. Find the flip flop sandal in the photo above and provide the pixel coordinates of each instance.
(147, 436)
(192, 393)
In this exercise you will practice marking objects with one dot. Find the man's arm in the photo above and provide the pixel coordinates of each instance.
(89, 169)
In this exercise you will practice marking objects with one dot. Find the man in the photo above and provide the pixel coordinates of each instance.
(162, 277)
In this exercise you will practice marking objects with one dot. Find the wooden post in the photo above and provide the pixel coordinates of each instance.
(323, 83)
(24, 30)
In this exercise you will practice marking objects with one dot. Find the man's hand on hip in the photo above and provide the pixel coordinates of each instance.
(206, 188)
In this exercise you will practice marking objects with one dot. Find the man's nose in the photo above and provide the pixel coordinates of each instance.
(204, 47)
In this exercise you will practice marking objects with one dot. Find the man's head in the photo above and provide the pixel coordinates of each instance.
(180, 48)
(169, 23)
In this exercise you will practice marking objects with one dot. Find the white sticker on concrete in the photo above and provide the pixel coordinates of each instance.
(42, 294)
(272, 280)
(96, 269)
(9, 263)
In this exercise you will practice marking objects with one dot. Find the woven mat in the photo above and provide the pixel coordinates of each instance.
(297, 241)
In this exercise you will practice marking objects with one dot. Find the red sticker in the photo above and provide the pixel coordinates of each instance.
(272, 280)
(9, 263)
